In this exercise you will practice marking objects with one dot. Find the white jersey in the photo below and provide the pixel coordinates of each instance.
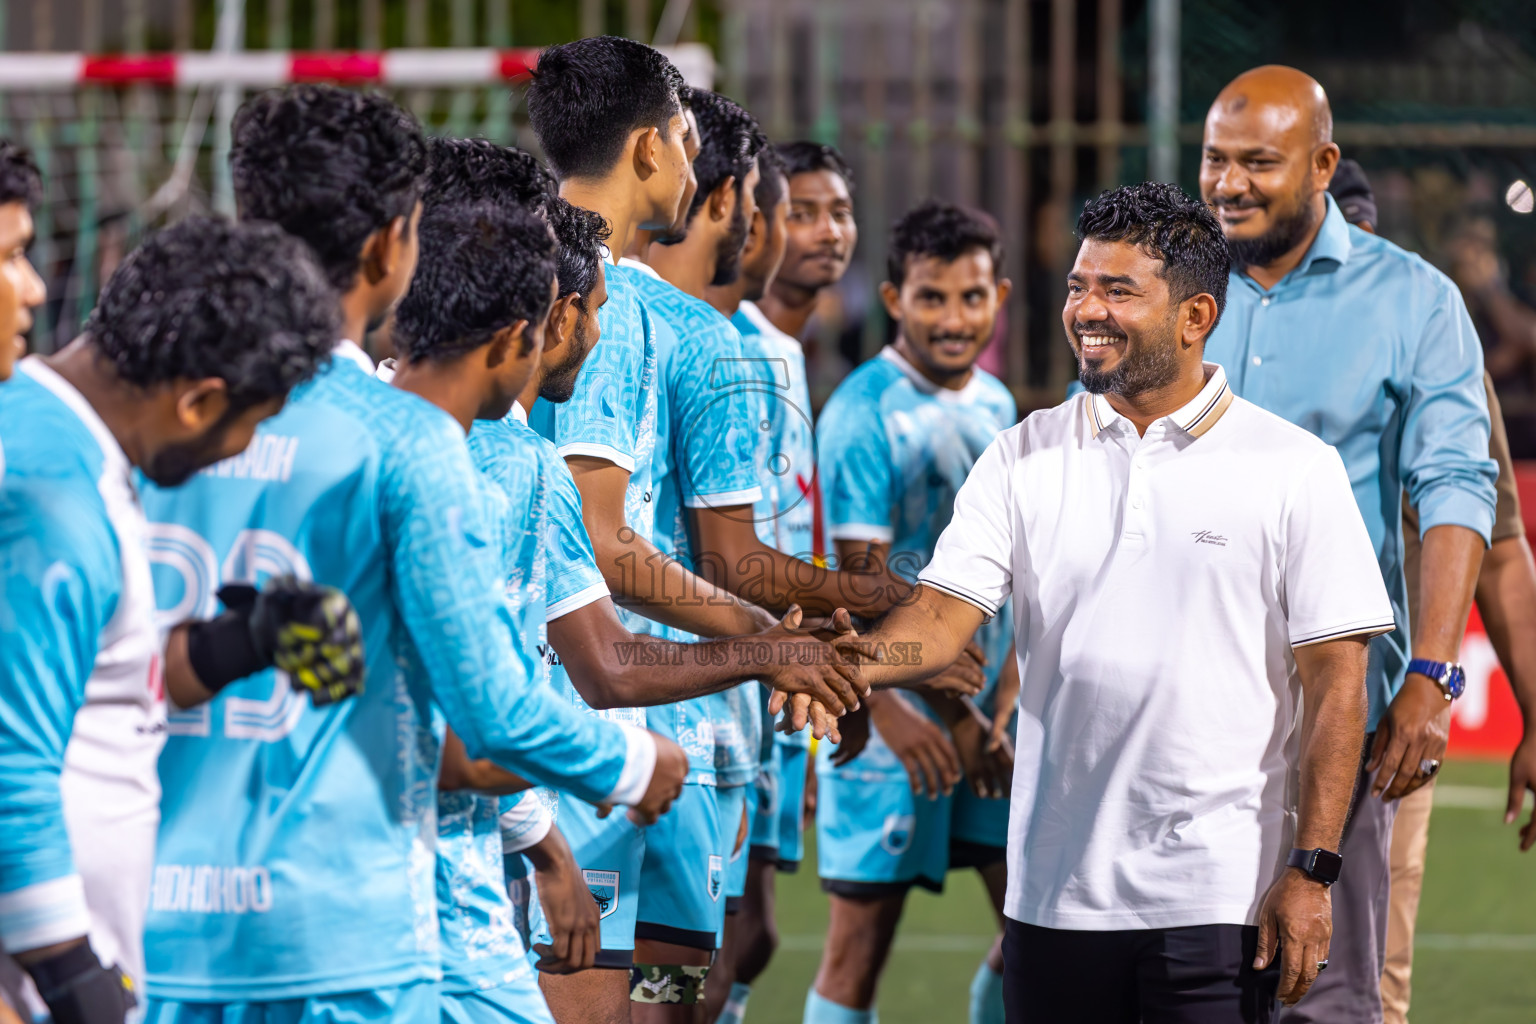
(109, 784)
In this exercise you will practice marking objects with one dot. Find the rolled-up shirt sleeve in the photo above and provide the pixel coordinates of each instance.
(973, 559)
(1444, 455)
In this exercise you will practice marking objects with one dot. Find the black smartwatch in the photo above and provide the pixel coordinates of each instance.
(1320, 865)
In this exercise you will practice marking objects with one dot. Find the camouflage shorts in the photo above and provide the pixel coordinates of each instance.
(667, 983)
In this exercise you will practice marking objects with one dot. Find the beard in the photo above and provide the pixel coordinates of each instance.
(175, 464)
(672, 235)
(560, 383)
(728, 254)
(1147, 365)
(1285, 234)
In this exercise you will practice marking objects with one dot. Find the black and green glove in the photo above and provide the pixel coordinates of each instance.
(308, 631)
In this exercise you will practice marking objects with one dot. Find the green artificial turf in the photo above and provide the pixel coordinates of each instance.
(1475, 963)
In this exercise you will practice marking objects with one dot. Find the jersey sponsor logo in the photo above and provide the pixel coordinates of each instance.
(896, 835)
(211, 889)
(716, 877)
(604, 887)
(268, 458)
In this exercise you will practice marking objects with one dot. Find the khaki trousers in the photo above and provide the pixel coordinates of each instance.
(1410, 838)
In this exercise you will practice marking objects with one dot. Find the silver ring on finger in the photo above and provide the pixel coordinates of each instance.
(1322, 965)
(1428, 767)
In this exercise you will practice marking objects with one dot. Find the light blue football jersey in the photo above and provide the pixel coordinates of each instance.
(566, 574)
(62, 584)
(787, 515)
(615, 412)
(297, 848)
(894, 449)
(481, 946)
(714, 429)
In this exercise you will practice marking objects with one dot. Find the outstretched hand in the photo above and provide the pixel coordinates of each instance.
(805, 665)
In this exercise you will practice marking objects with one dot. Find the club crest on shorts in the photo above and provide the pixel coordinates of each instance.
(896, 836)
(716, 876)
(604, 887)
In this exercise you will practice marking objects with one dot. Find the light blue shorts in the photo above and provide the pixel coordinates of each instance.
(733, 804)
(407, 1004)
(683, 879)
(979, 820)
(778, 818)
(610, 852)
(875, 836)
(517, 1002)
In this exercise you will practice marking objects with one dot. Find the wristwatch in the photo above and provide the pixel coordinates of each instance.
(1448, 675)
(1320, 865)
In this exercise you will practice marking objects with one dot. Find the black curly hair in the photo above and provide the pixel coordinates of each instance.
(582, 235)
(484, 266)
(469, 170)
(588, 95)
(330, 165)
(772, 181)
(729, 141)
(804, 157)
(20, 180)
(472, 170)
(246, 303)
(942, 230)
(1169, 225)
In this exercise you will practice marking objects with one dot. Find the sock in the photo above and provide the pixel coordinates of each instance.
(986, 996)
(824, 1011)
(735, 1004)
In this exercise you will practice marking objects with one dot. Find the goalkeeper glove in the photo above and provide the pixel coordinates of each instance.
(78, 990)
(306, 630)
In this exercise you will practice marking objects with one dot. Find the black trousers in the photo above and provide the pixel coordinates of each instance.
(1199, 975)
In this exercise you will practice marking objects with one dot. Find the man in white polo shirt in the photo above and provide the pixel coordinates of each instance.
(1192, 589)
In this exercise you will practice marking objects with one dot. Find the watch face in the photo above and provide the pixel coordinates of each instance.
(1326, 865)
(1455, 681)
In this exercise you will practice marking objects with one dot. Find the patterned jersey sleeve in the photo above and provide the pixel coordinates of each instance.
(602, 417)
(573, 579)
(446, 576)
(718, 418)
(60, 585)
(854, 466)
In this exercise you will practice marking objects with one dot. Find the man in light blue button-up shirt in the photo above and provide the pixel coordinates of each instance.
(1371, 349)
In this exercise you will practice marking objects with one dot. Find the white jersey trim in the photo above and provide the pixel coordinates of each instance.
(353, 353)
(754, 313)
(861, 531)
(634, 264)
(639, 766)
(588, 595)
(606, 452)
(525, 824)
(44, 914)
(64, 391)
(965, 395)
(725, 499)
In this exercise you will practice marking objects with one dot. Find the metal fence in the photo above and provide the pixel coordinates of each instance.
(1021, 107)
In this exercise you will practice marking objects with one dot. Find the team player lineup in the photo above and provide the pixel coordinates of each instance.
(486, 682)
